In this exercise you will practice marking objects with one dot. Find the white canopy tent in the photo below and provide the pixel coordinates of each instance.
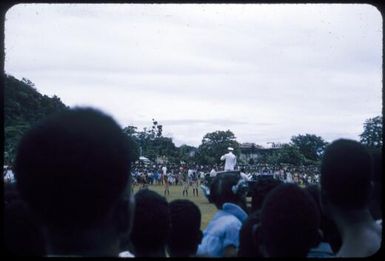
(144, 159)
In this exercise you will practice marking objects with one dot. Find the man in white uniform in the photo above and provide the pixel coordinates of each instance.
(230, 160)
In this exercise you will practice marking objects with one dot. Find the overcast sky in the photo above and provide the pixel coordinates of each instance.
(265, 72)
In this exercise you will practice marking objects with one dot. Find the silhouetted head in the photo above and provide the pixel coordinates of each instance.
(228, 187)
(249, 238)
(346, 174)
(259, 190)
(73, 168)
(151, 225)
(289, 222)
(185, 234)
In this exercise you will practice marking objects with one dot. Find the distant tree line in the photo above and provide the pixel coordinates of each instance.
(301, 150)
(372, 135)
(24, 106)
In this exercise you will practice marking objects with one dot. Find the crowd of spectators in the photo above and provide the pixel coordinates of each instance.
(152, 174)
(72, 196)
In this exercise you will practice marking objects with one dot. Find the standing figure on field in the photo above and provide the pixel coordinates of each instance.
(166, 184)
(164, 173)
(230, 159)
(185, 182)
(195, 182)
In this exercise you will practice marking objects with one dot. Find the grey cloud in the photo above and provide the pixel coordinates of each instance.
(208, 121)
(282, 69)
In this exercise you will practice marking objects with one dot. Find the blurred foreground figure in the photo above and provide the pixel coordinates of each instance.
(345, 192)
(185, 234)
(73, 170)
(290, 222)
(221, 236)
(151, 225)
(22, 234)
(249, 245)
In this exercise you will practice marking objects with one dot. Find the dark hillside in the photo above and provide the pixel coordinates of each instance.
(23, 107)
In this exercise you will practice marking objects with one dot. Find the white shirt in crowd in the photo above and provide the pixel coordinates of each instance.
(230, 161)
(164, 169)
(9, 177)
(213, 173)
(190, 173)
(245, 177)
(126, 254)
(289, 177)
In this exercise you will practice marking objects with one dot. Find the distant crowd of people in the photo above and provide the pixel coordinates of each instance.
(73, 197)
(154, 174)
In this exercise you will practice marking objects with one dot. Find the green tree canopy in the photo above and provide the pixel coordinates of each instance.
(310, 145)
(24, 106)
(288, 154)
(151, 143)
(214, 145)
(187, 153)
(372, 134)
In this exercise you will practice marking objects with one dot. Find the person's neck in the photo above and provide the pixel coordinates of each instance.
(357, 229)
(350, 220)
(81, 243)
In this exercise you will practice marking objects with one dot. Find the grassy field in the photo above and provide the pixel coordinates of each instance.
(207, 209)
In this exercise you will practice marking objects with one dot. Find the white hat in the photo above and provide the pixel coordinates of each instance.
(230, 148)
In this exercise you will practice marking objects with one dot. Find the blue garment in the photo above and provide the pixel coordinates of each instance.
(222, 231)
(322, 250)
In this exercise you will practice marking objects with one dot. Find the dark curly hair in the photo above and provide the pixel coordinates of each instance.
(151, 223)
(221, 190)
(185, 233)
(72, 167)
(346, 171)
(290, 221)
(259, 190)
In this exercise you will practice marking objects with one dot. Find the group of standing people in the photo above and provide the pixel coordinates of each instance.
(74, 188)
(185, 176)
(340, 218)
